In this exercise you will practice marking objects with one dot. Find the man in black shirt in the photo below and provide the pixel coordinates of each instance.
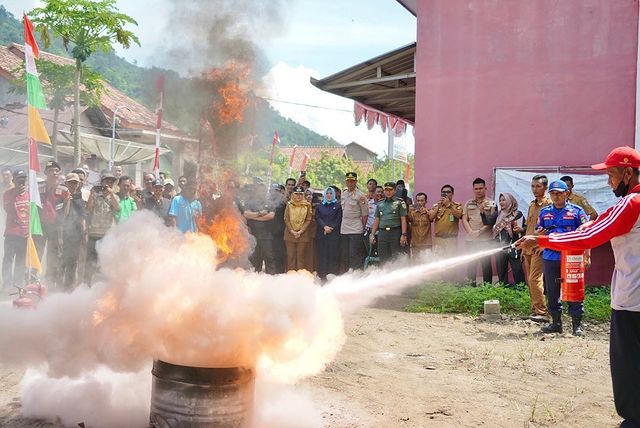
(157, 203)
(260, 216)
(278, 200)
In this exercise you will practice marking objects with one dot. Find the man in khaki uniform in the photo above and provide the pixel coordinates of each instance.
(579, 200)
(446, 217)
(355, 211)
(479, 232)
(533, 256)
(420, 225)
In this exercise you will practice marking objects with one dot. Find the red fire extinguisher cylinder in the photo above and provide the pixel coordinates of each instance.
(572, 272)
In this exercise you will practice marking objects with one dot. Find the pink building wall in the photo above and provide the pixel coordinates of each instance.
(521, 83)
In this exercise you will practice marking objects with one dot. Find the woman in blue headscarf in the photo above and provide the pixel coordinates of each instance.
(328, 219)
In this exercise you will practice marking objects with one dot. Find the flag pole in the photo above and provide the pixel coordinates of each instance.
(156, 159)
(276, 140)
(36, 131)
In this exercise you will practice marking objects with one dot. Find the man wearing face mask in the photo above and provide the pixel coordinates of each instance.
(620, 225)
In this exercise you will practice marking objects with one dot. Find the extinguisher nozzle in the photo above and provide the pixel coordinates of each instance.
(508, 248)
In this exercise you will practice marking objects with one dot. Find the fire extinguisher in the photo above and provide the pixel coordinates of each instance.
(572, 276)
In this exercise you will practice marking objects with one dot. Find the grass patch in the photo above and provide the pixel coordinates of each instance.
(443, 297)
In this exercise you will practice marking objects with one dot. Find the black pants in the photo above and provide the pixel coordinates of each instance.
(352, 251)
(389, 244)
(69, 266)
(264, 253)
(485, 262)
(15, 253)
(551, 269)
(51, 239)
(279, 254)
(92, 259)
(327, 255)
(513, 258)
(624, 355)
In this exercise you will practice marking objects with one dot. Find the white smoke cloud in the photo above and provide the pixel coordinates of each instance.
(101, 398)
(162, 298)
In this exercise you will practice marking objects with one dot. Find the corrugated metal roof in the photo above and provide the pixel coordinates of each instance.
(386, 82)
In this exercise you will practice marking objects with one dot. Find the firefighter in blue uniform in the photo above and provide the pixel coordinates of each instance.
(559, 217)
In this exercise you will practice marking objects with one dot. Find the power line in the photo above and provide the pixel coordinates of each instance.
(307, 105)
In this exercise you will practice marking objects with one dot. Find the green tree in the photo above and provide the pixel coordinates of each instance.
(386, 169)
(256, 164)
(88, 26)
(329, 170)
(59, 84)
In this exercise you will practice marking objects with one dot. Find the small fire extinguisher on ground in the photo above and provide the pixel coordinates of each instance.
(572, 270)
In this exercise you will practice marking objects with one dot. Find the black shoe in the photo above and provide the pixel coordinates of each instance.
(539, 318)
(576, 324)
(556, 324)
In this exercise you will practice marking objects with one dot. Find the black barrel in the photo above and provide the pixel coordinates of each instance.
(187, 397)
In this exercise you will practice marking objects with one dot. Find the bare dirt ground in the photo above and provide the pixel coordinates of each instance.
(400, 369)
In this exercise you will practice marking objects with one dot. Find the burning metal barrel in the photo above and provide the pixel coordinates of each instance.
(195, 397)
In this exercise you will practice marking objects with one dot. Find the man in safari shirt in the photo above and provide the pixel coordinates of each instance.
(479, 233)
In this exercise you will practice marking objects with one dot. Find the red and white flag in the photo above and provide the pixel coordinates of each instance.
(156, 160)
(305, 160)
(276, 140)
(293, 156)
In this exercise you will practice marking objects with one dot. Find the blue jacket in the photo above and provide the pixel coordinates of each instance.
(563, 220)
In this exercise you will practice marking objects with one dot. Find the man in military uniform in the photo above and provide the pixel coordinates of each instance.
(578, 200)
(533, 256)
(445, 215)
(354, 217)
(390, 223)
(559, 217)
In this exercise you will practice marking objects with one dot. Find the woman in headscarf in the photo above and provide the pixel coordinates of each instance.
(297, 218)
(507, 230)
(328, 219)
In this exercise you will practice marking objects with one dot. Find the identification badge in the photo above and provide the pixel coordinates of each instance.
(450, 217)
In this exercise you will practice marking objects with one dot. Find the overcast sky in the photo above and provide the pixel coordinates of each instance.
(315, 38)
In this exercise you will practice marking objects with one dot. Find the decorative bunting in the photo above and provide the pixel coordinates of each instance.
(372, 117)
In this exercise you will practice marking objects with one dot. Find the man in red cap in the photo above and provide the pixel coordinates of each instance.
(620, 224)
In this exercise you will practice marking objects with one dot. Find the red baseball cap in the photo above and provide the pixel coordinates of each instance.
(623, 156)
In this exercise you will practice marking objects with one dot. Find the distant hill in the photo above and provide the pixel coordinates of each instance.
(137, 82)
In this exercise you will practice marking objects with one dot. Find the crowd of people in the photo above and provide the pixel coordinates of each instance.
(75, 214)
(339, 230)
(328, 232)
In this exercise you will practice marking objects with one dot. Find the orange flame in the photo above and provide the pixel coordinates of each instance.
(228, 232)
(233, 91)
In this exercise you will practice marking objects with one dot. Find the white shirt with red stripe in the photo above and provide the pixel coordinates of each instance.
(620, 224)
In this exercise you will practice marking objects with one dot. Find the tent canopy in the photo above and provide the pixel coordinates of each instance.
(125, 152)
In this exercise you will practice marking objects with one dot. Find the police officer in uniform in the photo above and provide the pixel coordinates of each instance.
(354, 218)
(559, 217)
(390, 223)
